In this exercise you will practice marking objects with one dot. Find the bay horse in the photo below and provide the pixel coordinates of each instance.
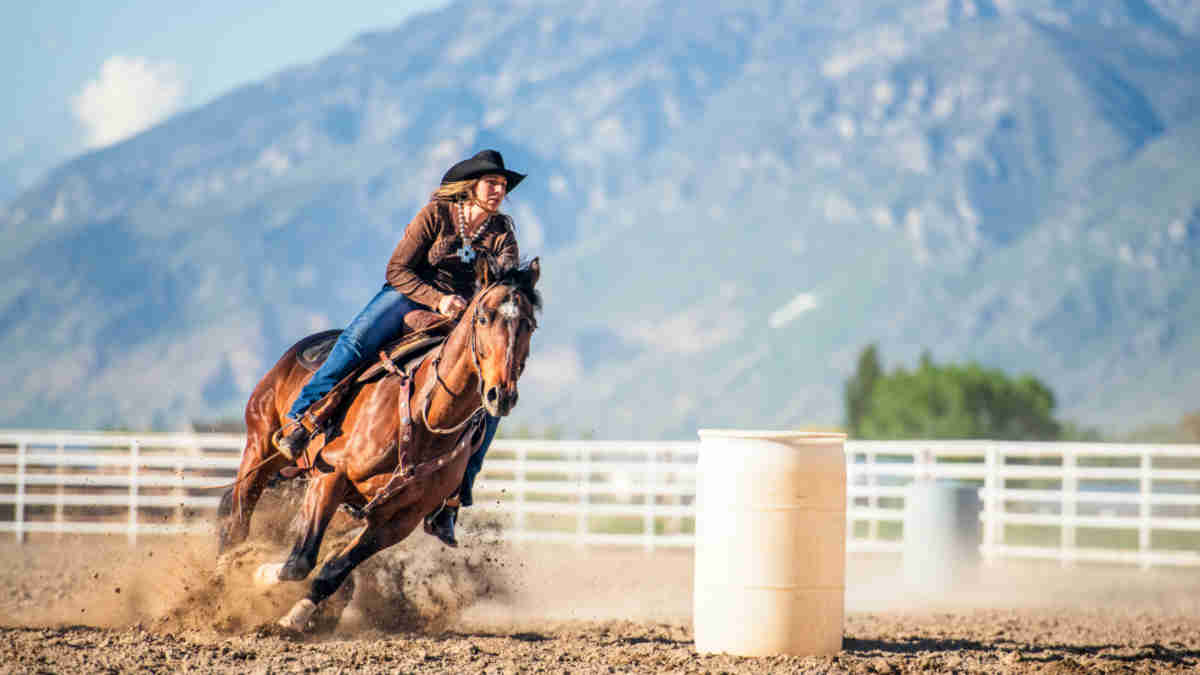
(405, 441)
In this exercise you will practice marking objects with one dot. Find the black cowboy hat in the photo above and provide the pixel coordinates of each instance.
(483, 163)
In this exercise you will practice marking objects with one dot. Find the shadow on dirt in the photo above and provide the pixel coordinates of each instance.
(1045, 653)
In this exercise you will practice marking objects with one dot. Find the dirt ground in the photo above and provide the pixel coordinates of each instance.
(89, 604)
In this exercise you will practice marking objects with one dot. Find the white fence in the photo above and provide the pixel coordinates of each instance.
(1137, 504)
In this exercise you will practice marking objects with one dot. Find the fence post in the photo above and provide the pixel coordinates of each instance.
(19, 506)
(1145, 490)
(650, 497)
(927, 463)
(59, 514)
(520, 492)
(195, 450)
(180, 495)
(851, 480)
(1069, 488)
(991, 504)
(583, 522)
(872, 482)
(134, 452)
(922, 475)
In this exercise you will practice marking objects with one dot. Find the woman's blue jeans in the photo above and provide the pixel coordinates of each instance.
(490, 424)
(380, 321)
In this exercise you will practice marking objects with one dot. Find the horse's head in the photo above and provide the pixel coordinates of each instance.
(503, 317)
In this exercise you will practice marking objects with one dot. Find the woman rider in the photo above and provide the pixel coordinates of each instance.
(431, 268)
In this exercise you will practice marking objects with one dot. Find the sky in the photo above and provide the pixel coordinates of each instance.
(71, 66)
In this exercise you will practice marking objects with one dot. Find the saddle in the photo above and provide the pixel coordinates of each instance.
(424, 330)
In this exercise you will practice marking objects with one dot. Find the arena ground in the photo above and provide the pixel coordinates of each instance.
(88, 604)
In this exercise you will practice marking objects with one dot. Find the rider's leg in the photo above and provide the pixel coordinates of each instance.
(381, 320)
(441, 523)
(475, 464)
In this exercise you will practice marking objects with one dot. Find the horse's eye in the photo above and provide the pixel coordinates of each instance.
(483, 320)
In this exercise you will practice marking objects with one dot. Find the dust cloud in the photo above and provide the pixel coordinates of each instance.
(419, 586)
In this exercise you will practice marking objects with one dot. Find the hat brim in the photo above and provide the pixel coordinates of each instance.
(481, 165)
(512, 177)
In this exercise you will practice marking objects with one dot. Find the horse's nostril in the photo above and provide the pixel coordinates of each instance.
(492, 395)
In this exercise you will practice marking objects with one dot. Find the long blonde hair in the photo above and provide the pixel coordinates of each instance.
(449, 193)
(457, 191)
(461, 191)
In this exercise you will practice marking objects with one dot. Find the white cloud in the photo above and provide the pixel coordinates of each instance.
(1125, 253)
(1177, 230)
(59, 212)
(558, 184)
(839, 209)
(494, 117)
(845, 127)
(130, 95)
(793, 309)
(883, 218)
(609, 135)
(274, 161)
(884, 92)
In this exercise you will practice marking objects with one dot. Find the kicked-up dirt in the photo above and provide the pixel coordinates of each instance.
(88, 604)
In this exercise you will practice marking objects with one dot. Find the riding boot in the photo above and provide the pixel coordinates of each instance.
(440, 524)
(293, 443)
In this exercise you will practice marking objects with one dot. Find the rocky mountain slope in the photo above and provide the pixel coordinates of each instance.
(729, 204)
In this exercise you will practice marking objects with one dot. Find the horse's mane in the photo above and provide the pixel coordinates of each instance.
(519, 277)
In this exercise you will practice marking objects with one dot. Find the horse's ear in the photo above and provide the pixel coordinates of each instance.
(534, 270)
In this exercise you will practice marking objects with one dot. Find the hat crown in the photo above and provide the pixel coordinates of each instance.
(490, 157)
(484, 162)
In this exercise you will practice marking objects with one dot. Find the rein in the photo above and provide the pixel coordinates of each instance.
(437, 376)
(428, 394)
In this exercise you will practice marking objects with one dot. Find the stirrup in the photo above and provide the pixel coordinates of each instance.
(277, 439)
(440, 523)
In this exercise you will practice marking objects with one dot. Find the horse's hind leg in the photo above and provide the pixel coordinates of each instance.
(375, 537)
(325, 493)
(237, 505)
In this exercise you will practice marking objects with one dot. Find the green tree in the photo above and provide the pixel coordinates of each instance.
(859, 387)
(951, 401)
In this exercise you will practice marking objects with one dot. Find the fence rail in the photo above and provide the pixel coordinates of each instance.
(1129, 504)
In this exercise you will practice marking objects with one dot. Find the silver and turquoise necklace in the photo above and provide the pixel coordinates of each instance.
(466, 253)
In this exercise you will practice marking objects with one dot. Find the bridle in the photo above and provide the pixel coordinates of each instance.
(475, 362)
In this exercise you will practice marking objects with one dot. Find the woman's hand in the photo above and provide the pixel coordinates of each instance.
(451, 305)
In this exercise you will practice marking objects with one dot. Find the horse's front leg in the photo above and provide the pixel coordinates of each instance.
(374, 538)
(325, 493)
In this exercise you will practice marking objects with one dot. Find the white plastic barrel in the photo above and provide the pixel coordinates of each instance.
(942, 534)
(770, 543)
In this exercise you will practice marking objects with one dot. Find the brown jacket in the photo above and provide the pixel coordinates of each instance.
(424, 266)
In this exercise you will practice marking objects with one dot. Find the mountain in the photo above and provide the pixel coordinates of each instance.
(729, 204)
(21, 163)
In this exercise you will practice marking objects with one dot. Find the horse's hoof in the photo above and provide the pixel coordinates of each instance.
(222, 567)
(352, 617)
(268, 574)
(297, 619)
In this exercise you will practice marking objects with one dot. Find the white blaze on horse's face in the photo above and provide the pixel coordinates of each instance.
(503, 326)
(509, 309)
